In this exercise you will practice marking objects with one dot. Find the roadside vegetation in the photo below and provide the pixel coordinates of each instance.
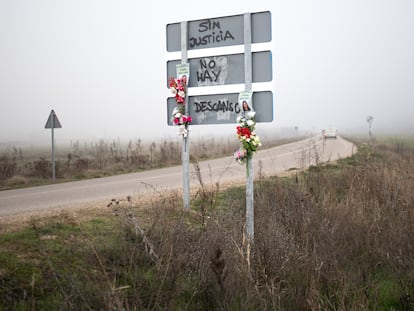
(25, 167)
(338, 236)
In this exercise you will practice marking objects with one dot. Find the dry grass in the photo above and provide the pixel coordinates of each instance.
(337, 237)
(21, 168)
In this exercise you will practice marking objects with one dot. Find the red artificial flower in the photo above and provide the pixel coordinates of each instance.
(172, 82)
(179, 99)
(180, 87)
(243, 131)
(246, 132)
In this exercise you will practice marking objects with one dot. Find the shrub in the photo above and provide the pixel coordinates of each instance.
(41, 168)
(337, 237)
(7, 166)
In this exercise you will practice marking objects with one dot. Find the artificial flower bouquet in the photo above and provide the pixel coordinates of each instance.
(178, 87)
(247, 137)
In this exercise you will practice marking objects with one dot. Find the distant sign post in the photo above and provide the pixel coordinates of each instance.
(223, 69)
(370, 119)
(52, 123)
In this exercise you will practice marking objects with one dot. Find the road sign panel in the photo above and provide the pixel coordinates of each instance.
(224, 108)
(219, 32)
(52, 121)
(225, 69)
(246, 29)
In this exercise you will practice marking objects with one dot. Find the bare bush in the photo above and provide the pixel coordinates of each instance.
(338, 247)
(8, 166)
(105, 158)
(337, 237)
(41, 168)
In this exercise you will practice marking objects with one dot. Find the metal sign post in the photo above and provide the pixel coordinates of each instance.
(220, 69)
(249, 164)
(186, 138)
(370, 119)
(52, 123)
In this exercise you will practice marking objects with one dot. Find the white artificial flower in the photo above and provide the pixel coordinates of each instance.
(250, 122)
(250, 114)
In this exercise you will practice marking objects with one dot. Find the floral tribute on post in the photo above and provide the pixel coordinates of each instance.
(249, 141)
(178, 87)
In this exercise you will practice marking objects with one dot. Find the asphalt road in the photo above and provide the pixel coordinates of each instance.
(268, 162)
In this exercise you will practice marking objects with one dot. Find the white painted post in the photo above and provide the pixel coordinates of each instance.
(186, 138)
(249, 164)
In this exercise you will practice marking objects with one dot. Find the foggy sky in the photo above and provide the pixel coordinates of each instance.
(101, 65)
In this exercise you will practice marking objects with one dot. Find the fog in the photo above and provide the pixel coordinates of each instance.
(101, 65)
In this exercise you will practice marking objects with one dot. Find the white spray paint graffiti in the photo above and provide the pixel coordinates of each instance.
(212, 71)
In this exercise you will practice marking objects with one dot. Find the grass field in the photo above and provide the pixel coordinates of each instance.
(336, 237)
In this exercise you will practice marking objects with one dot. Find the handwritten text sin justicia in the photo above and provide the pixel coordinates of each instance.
(210, 32)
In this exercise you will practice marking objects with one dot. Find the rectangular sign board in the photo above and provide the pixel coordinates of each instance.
(225, 69)
(223, 108)
(219, 32)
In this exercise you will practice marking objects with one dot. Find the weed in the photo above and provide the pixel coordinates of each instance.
(336, 237)
(20, 168)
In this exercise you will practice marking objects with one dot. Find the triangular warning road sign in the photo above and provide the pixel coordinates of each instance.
(52, 121)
